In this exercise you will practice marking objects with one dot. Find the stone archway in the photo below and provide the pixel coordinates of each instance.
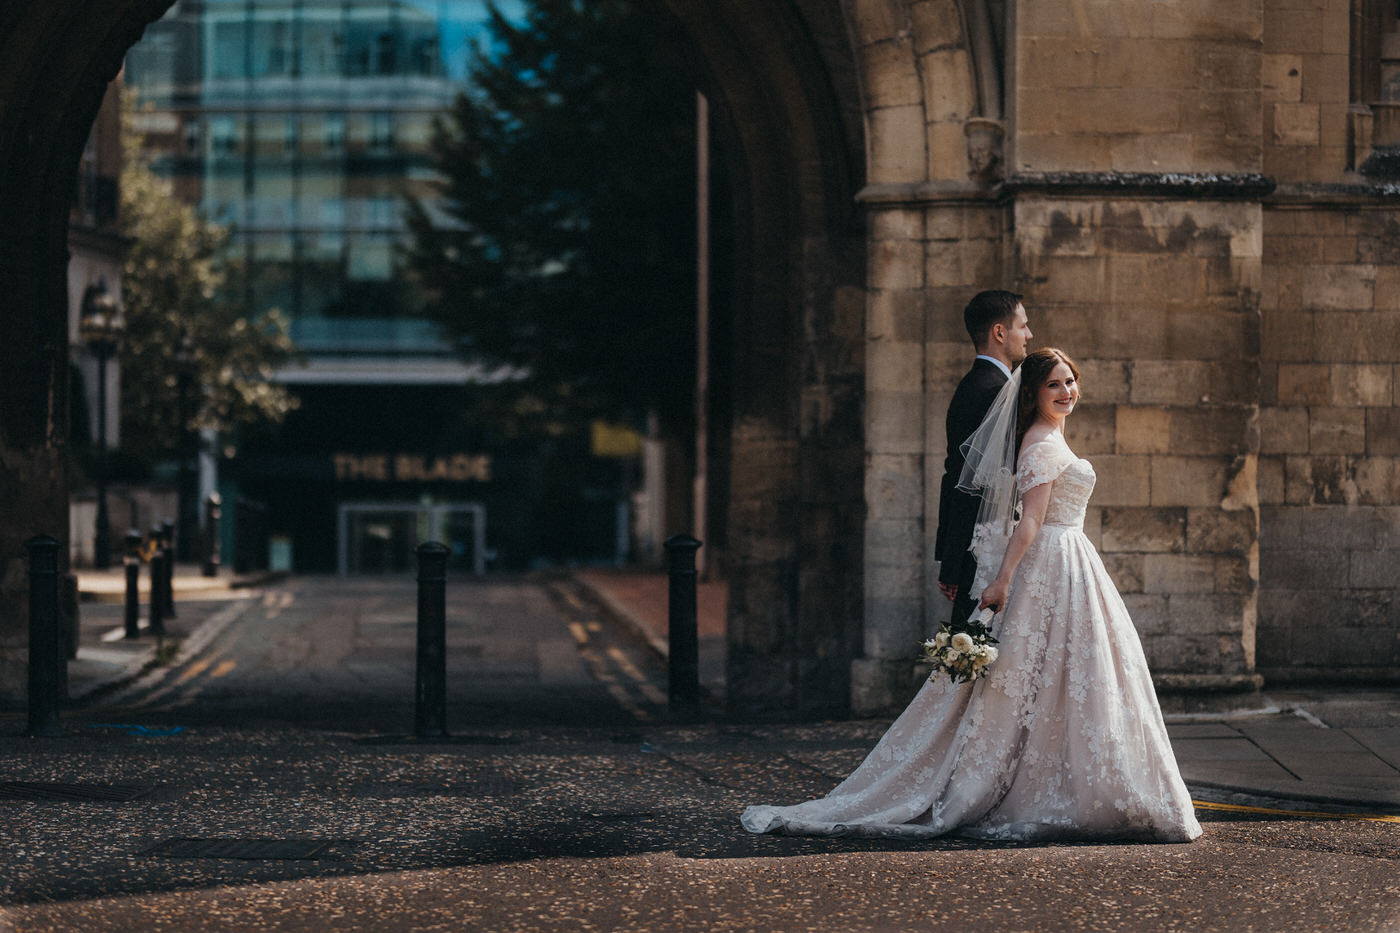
(785, 85)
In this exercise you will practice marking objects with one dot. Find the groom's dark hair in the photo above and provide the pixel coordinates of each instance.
(993, 306)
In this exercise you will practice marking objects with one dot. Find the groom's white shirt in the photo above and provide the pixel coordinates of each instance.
(999, 364)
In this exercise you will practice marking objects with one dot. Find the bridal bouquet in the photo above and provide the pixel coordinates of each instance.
(964, 652)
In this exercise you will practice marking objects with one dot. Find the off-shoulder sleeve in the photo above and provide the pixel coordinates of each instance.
(1041, 462)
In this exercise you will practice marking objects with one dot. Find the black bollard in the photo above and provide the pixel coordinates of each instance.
(157, 604)
(43, 637)
(132, 562)
(683, 628)
(430, 705)
(167, 536)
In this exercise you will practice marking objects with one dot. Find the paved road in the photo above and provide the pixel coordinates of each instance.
(340, 654)
(271, 786)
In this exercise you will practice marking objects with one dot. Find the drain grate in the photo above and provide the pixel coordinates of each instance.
(59, 792)
(247, 848)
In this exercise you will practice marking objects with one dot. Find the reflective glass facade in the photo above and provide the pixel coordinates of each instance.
(301, 124)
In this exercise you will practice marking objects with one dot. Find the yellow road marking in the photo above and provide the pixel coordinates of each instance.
(595, 627)
(579, 634)
(224, 669)
(1309, 814)
(193, 671)
(630, 669)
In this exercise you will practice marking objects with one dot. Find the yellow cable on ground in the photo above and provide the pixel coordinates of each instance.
(1307, 814)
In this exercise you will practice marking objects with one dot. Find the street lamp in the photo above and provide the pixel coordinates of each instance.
(186, 366)
(100, 327)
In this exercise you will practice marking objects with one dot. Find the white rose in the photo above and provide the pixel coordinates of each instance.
(962, 642)
(990, 653)
(940, 640)
(951, 657)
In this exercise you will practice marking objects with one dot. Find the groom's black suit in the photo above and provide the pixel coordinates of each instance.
(957, 511)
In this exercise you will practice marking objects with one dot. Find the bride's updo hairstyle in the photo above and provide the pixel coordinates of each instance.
(1035, 372)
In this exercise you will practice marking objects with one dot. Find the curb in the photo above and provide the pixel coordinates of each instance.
(661, 646)
(1320, 795)
(145, 663)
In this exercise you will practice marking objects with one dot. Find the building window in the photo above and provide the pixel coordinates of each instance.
(1373, 142)
(333, 133)
(381, 132)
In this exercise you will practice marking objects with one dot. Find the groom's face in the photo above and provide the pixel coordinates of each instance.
(1018, 335)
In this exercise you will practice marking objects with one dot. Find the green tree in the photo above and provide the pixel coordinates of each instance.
(563, 242)
(171, 279)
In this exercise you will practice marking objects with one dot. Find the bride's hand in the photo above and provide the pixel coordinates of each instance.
(994, 595)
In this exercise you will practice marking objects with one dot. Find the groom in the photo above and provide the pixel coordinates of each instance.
(996, 321)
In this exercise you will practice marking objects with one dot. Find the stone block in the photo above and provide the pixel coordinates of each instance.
(944, 322)
(1309, 568)
(1357, 336)
(1143, 430)
(1296, 124)
(894, 366)
(1106, 381)
(897, 144)
(1304, 384)
(935, 22)
(895, 315)
(1281, 77)
(1227, 153)
(946, 364)
(1227, 112)
(1050, 152)
(894, 421)
(1122, 480)
(1336, 287)
(1286, 335)
(1337, 430)
(889, 81)
(1294, 30)
(1283, 430)
(1377, 480)
(1126, 571)
(1271, 485)
(1375, 569)
(1146, 63)
(1297, 480)
(1294, 250)
(948, 93)
(1205, 614)
(893, 625)
(1074, 279)
(897, 224)
(1326, 79)
(1060, 61)
(1144, 530)
(1090, 430)
(1178, 573)
(1387, 288)
(1220, 65)
(1192, 382)
(947, 151)
(1233, 574)
(1217, 531)
(1209, 430)
(1211, 333)
(1383, 432)
(1188, 481)
(1339, 249)
(1149, 612)
(895, 264)
(1226, 21)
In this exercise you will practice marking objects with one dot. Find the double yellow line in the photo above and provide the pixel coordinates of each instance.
(1303, 814)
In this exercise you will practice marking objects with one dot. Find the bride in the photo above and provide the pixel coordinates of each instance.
(1064, 739)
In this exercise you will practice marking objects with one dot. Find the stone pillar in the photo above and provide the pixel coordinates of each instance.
(895, 421)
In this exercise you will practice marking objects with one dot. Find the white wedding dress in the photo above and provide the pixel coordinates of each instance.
(1063, 740)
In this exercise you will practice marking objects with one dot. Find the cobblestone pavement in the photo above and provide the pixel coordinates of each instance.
(265, 780)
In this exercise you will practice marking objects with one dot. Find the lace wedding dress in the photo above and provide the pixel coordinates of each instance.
(1063, 740)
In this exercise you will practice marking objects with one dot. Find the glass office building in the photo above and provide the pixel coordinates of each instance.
(301, 125)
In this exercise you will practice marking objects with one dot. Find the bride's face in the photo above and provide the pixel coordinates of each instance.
(1058, 395)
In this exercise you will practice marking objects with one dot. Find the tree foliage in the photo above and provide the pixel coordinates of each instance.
(171, 280)
(564, 239)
